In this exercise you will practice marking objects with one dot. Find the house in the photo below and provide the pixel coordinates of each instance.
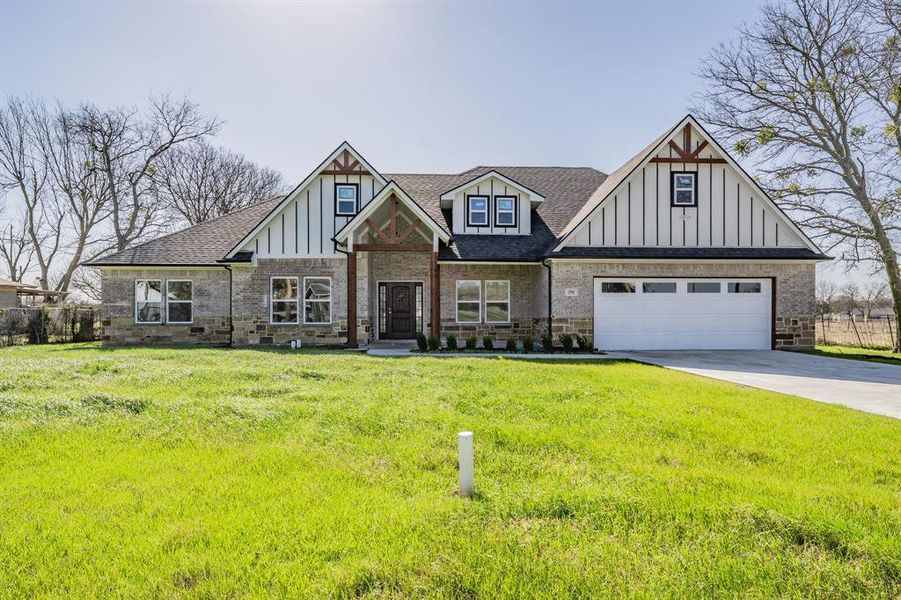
(678, 248)
(9, 291)
(12, 293)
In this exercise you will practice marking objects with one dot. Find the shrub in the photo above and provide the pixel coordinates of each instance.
(487, 344)
(511, 345)
(421, 342)
(584, 343)
(434, 342)
(547, 342)
(471, 342)
(451, 342)
(528, 344)
(12, 325)
(85, 330)
(566, 341)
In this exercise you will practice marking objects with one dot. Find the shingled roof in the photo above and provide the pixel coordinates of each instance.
(202, 244)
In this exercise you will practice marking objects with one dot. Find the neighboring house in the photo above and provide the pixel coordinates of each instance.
(9, 291)
(678, 248)
(12, 294)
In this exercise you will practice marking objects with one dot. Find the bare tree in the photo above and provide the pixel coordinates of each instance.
(127, 148)
(871, 297)
(812, 90)
(826, 294)
(849, 300)
(16, 249)
(201, 182)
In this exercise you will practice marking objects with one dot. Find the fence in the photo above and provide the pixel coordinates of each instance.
(873, 333)
(48, 324)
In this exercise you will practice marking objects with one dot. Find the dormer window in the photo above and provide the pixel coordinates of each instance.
(477, 211)
(685, 188)
(505, 211)
(346, 195)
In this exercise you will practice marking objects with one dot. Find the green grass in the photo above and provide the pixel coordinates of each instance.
(855, 353)
(224, 473)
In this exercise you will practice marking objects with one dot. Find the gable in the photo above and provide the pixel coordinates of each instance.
(634, 207)
(305, 222)
(491, 187)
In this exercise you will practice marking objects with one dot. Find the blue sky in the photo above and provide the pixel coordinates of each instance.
(415, 87)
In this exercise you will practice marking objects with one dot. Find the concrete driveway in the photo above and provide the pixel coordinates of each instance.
(867, 386)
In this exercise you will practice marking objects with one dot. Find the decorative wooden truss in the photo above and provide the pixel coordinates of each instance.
(346, 164)
(684, 154)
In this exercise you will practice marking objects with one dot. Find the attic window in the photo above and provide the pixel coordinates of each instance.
(477, 211)
(685, 188)
(346, 199)
(505, 211)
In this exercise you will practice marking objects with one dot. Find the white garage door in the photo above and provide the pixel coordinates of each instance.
(672, 314)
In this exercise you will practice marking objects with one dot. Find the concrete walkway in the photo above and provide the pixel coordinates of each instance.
(866, 386)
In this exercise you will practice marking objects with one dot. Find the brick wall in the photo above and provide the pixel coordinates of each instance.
(528, 285)
(795, 283)
(117, 310)
(251, 288)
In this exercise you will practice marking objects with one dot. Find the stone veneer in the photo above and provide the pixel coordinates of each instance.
(795, 282)
(210, 310)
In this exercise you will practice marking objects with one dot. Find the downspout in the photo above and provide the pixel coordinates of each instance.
(550, 318)
(231, 323)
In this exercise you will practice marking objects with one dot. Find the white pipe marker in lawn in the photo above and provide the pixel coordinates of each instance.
(466, 463)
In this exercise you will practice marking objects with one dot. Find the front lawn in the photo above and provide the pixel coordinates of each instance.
(222, 473)
(856, 353)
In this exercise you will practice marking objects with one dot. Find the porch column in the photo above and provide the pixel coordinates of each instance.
(352, 299)
(435, 294)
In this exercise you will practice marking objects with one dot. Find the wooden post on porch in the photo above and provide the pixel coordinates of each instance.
(352, 299)
(436, 295)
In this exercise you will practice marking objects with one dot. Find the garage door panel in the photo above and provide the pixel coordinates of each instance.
(665, 321)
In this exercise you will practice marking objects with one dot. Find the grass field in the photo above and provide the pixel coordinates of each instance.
(855, 353)
(161, 472)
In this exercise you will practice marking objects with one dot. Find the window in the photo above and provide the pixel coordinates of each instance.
(477, 211)
(704, 287)
(505, 211)
(617, 287)
(148, 301)
(317, 300)
(469, 301)
(346, 199)
(685, 189)
(283, 300)
(497, 301)
(179, 301)
(659, 287)
(743, 287)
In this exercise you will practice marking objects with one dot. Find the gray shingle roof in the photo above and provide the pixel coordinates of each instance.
(203, 244)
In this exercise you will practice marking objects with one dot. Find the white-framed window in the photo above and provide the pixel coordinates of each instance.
(497, 301)
(148, 301)
(179, 301)
(477, 211)
(346, 199)
(283, 300)
(505, 211)
(469, 301)
(317, 300)
(685, 188)
(658, 287)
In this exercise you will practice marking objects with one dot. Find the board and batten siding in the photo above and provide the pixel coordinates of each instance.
(492, 187)
(306, 225)
(729, 214)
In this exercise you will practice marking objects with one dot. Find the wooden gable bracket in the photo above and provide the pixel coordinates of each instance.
(684, 152)
(345, 164)
(389, 234)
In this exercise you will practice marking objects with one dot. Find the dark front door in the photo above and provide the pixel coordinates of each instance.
(400, 305)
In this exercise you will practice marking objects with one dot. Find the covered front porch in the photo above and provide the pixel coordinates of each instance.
(393, 276)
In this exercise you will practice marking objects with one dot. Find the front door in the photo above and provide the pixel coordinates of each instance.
(400, 311)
